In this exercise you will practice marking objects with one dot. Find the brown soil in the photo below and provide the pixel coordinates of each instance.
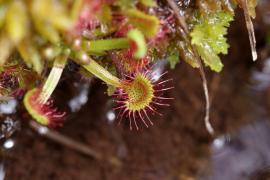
(176, 147)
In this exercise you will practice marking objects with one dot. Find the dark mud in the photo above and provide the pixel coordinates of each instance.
(176, 147)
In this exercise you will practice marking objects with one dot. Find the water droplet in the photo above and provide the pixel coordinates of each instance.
(8, 144)
(43, 130)
(78, 101)
(9, 107)
(219, 142)
(111, 116)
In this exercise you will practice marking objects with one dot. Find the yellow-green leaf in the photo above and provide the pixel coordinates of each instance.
(148, 3)
(16, 21)
(147, 24)
(208, 35)
(141, 48)
(31, 56)
(3, 11)
(6, 47)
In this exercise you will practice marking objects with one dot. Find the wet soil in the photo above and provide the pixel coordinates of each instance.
(176, 147)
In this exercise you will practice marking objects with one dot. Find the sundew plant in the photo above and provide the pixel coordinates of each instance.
(117, 41)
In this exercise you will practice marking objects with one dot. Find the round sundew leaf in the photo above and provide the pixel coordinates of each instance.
(43, 113)
(32, 106)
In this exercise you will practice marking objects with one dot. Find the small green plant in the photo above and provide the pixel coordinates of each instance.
(129, 35)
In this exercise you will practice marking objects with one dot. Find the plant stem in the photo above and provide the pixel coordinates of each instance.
(180, 18)
(54, 77)
(98, 46)
(250, 28)
(185, 33)
(101, 73)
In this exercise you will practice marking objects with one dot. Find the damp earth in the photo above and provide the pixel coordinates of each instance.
(176, 147)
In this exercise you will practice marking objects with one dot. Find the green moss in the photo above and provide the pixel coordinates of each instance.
(208, 35)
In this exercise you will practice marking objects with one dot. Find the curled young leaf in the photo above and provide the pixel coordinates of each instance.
(140, 45)
(147, 24)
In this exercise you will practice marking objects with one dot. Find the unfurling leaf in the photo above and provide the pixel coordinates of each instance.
(147, 24)
(141, 48)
